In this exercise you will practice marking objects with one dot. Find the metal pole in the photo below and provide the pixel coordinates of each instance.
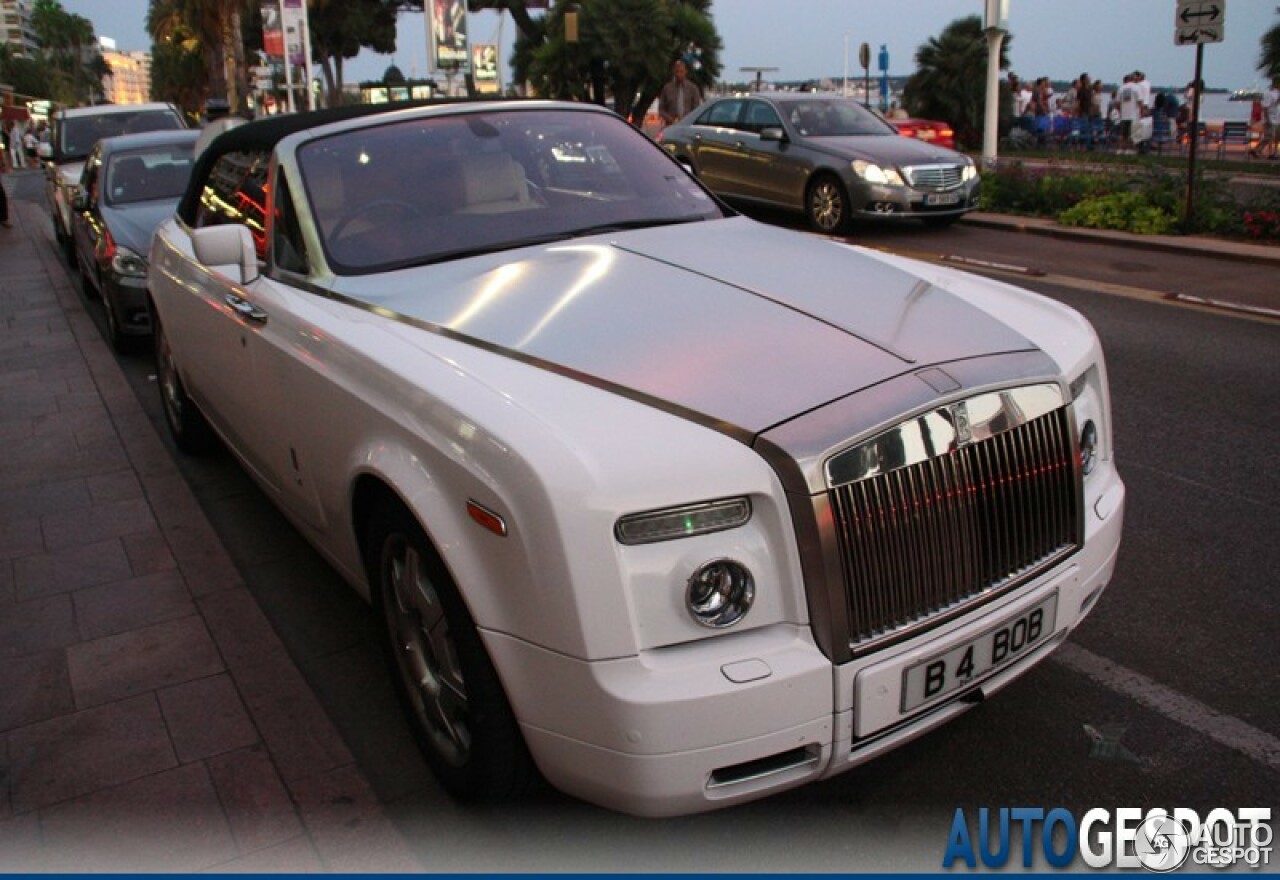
(288, 66)
(991, 124)
(306, 53)
(844, 90)
(1194, 135)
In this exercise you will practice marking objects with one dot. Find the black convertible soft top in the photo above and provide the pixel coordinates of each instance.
(264, 134)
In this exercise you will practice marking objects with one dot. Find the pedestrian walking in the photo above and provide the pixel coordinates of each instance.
(679, 96)
(4, 204)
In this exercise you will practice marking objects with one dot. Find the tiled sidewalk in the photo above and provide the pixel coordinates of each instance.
(150, 719)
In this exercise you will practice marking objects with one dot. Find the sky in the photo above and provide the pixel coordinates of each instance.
(1056, 38)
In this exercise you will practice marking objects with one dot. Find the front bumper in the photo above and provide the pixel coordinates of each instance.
(871, 200)
(734, 718)
(126, 296)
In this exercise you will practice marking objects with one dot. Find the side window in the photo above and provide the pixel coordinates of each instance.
(288, 249)
(761, 116)
(722, 114)
(235, 192)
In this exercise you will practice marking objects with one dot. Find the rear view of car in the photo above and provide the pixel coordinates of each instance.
(928, 130)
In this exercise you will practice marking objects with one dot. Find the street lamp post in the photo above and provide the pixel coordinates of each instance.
(996, 25)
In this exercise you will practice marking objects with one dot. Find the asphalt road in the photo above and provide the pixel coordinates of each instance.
(1175, 670)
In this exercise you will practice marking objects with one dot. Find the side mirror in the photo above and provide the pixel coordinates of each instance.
(227, 250)
(44, 151)
(773, 134)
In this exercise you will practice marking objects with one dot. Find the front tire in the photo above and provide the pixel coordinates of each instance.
(826, 204)
(447, 685)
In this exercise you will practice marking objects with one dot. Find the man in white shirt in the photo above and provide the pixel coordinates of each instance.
(1271, 119)
(1144, 91)
(1130, 110)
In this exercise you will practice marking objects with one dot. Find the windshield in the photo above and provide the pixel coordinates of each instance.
(432, 189)
(832, 117)
(158, 172)
(78, 134)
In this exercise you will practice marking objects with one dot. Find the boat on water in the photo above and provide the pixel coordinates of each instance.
(1245, 94)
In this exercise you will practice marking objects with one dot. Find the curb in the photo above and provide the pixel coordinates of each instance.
(1193, 245)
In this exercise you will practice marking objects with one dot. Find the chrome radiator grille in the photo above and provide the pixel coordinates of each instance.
(934, 176)
(951, 527)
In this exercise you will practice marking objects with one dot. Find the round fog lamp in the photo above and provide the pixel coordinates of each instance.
(720, 593)
(1088, 447)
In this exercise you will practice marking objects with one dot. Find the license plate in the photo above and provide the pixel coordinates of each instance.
(941, 198)
(941, 674)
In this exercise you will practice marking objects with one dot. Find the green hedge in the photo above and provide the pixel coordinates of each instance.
(1144, 198)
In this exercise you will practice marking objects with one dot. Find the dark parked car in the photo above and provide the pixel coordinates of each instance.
(827, 156)
(73, 133)
(129, 184)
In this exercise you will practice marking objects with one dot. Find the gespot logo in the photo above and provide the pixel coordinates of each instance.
(1158, 840)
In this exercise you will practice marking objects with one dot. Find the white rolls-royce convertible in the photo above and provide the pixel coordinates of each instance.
(670, 507)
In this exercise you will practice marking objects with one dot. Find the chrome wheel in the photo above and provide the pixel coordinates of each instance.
(827, 205)
(425, 652)
(443, 675)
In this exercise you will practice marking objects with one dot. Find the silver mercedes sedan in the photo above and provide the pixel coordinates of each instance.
(827, 156)
(671, 507)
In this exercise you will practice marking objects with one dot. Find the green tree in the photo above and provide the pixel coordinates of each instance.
(30, 76)
(212, 31)
(69, 48)
(1269, 57)
(950, 81)
(624, 49)
(341, 28)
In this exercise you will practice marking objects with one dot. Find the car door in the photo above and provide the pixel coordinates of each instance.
(766, 168)
(713, 138)
(214, 327)
(86, 225)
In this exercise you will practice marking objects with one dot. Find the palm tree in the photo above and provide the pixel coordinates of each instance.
(212, 30)
(1269, 57)
(950, 80)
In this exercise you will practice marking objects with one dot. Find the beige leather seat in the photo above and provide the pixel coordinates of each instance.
(493, 183)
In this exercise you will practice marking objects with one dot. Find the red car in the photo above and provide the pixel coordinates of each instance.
(928, 130)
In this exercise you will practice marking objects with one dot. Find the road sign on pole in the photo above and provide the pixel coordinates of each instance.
(1196, 22)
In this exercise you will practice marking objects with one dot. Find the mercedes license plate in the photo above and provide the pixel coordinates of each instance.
(941, 674)
(942, 198)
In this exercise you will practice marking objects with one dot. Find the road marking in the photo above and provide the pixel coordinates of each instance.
(987, 264)
(1166, 297)
(1231, 732)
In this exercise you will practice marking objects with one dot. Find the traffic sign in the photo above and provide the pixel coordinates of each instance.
(1199, 21)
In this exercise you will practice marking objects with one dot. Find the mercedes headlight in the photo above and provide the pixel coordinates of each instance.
(873, 173)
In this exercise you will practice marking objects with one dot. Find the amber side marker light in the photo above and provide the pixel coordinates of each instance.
(487, 518)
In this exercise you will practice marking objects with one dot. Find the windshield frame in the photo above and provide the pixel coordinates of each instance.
(570, 172)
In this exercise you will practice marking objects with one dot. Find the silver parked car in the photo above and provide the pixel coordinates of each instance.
(827, 156)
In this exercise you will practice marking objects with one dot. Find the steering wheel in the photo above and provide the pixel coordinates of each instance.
(409, 211)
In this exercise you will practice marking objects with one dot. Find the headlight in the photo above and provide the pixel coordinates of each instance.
(720, 593)
(128, 264)
(1088, 447)
(969, 173)
(872, 173)
(682, 522)
(1087, 399)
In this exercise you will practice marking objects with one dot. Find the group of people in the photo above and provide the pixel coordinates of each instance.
(18, 145)
(1133, 110)
(1037, 106)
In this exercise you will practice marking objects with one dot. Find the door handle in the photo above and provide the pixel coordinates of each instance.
(245, 310)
